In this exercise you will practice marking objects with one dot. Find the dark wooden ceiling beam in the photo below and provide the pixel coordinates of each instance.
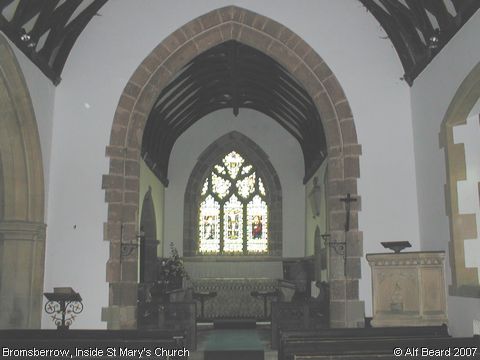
(47, 17)
(4, 4)
(233, 76)
(402, 23)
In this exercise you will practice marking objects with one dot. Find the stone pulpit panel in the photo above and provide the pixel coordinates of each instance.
(408, 289)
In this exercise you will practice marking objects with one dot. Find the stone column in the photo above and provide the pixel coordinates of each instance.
(346, 310)
(22, 264)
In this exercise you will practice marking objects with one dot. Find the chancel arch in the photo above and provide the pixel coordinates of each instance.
(265, 175)
(154, 75)
(465, 280)
(22, 228)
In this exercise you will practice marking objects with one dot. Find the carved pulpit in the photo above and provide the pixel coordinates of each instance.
(408, 289)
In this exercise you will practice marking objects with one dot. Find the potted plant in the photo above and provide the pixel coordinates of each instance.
(171, 272)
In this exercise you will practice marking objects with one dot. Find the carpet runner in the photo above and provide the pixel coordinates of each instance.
(238, 344)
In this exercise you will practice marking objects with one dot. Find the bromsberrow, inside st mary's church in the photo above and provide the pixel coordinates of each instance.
(282, 178)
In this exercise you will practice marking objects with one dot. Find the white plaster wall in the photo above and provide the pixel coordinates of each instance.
(113, 45)
(42, 93)
(282, 149)
(431, 95)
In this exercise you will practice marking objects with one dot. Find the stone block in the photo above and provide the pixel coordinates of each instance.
(112, 182)
(349, 133)
(114, 151)
(334, 89)
(143, 105)
(337, 289)
(116, 166)
(255, 38)
(352, 290)
(337, 312)
(226, 13)
(123, 293)
(306, 77)
(272, 28)
(355, 315)
(112, 231)
(354, 270)
(335, 168)
(283, 55)
(174, 41)
(132, 184)
(151, 63)
(126, 103)
(129, 269)
(302, 49)
(343, 110)
(211, 19)
(113, 270)
(352, 167)
(140, 77)
(117, 135)
(355, 243)
(132, 89)
(189, 50)
(131, 197)
(114, 212)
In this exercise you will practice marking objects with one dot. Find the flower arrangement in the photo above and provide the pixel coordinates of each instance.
(172, 270)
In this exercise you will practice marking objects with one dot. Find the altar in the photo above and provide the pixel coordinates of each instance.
(233, 282)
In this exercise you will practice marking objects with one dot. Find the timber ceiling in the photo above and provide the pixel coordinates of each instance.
(419, 29)
(46, 30)
(232, 75)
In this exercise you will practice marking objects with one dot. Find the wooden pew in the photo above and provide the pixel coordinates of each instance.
(301, 315)
(373, 343)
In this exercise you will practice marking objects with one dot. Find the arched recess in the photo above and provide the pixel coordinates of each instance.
(211, 156)
(465, 280)
(136, 101)
(22, 228)
(149, 242)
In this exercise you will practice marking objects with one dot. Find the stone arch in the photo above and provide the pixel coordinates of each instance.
(465, 280)
(138, 97)
(211, 156)
(22, 228)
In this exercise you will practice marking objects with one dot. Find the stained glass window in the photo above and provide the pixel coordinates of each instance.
(233, 213)
(209, 229)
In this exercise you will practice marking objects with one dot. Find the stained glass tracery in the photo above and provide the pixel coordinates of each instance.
(233, 213)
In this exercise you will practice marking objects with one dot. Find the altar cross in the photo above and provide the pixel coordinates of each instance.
(347, 200)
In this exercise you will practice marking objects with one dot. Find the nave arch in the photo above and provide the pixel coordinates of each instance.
(465, 280)
(143, 88)
(22, 228)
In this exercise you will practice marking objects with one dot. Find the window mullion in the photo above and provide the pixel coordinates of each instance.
(222, 220)
(245, 227)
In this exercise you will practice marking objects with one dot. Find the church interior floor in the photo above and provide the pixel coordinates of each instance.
(210, 339)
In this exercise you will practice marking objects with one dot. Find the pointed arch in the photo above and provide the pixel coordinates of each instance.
(157, 70)
(22, 228)
(233, 141)
(465, 281)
